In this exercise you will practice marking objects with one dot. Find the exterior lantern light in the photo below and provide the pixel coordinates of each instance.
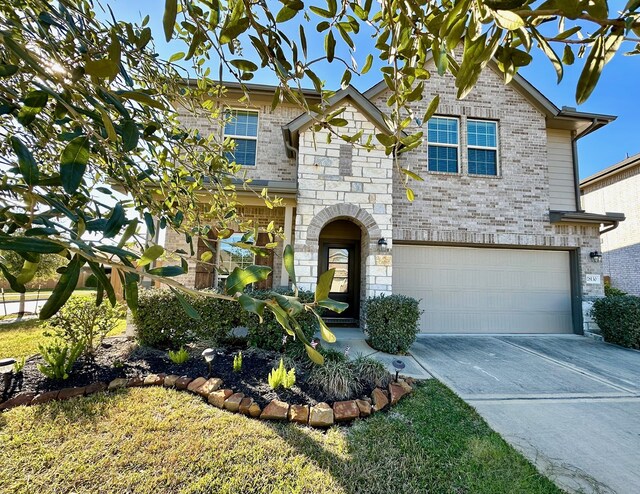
(398, 365)
(208, 355)
(382, 242)
(6, 370)
(595, 256)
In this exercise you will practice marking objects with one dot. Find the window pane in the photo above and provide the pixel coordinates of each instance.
(339, 259)
(242, 123)
(442, 130)
(245, 152)
(483, 162)
(232, 256)
(482, 133)
(443, 159)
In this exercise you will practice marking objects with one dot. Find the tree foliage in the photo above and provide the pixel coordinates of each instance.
(96, 158)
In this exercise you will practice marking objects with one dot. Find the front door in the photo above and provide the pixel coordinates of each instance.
(344, 257)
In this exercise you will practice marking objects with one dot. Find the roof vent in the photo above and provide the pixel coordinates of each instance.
(569, 108)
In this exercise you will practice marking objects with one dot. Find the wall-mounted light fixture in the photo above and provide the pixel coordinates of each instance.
(382, 243)
(595, 256)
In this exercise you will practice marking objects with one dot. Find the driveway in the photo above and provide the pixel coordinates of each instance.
(569, 403)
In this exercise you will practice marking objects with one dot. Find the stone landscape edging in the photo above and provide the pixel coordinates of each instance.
(320, 415)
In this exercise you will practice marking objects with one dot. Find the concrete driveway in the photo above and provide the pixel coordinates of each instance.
(569, 403)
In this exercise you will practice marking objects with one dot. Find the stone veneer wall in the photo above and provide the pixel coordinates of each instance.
(511, 209)
(339, 181)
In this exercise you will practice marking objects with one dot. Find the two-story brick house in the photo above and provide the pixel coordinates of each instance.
(494, 241)
(617, 188)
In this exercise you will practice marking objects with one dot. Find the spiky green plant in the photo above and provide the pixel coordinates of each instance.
(59, 359)
(281, 377)
(19, 365)
(237, 362)
(179, 356)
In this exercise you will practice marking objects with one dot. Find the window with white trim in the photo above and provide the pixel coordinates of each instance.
(442, 149)
(482, 147)
(242, 127)
(232, 257)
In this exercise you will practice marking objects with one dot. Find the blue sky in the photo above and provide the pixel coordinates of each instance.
(616, 93)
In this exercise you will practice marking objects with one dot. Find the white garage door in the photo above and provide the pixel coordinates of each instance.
(482, 290)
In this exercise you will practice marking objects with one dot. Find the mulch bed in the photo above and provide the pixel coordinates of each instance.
(120, 358)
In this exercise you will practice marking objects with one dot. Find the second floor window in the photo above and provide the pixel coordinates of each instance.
(242, 127)
(442, 151)
(482, 137)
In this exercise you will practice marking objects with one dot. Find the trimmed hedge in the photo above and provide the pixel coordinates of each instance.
(269, 335)
(619, 319)
(161, 321)
(391, 321)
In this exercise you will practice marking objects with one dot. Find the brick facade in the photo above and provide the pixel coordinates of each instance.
(620, 247)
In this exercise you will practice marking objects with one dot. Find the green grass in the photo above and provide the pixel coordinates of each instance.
(157, 440)
(21, 338)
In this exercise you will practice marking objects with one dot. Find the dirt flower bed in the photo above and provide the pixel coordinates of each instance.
(121, 363)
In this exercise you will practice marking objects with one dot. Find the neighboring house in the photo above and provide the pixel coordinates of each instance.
(617, 188)
(494, 242)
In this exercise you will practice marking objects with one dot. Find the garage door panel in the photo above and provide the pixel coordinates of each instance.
(484, 290)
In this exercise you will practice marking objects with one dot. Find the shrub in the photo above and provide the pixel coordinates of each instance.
(335, 379)
(81, 321)
(269, 335)
(370, 373)
(179, 357)
(618, 319)
(281, 377)
(59, 359)
(391, 322)
(237, 362)
(161, 321)
(610, 291)
(331, 354)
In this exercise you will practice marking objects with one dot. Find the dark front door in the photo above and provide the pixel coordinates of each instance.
(344, 257)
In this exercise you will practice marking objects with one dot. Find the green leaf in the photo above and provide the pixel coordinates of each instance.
(151, 227)
(168, 271)
(115, 222)
(281, 317)
(431, 109)
(130, 135)
(176, 56)
(321, 12)
(150, 255)
(290, 304)
(240, 278)
(188, 308)
(26, 163)
(368, 62)
(285, 14)
(142, 98)
(34, 102)
(169, 18)
(548, 51)
(333, 305)
(108, 125)
(13, 282)
(315, 356)
(324, 285)
(252, 305)
(129, 232)
(244, 65)
(103, 281)
(206, 256)
(131, 291)
(73, 163)
(28, 271)
(508, 20)
(330, 46)
(63, 289)
(325, 332)
(568, 57)
(288, 258)
(104, 68)
(410, 195)
(29, 245)
(412, 175)
(7, 70)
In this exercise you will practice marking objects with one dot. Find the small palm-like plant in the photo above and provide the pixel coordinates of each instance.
(179, 356)
(237, 362)
(59, 359)
(281, 377)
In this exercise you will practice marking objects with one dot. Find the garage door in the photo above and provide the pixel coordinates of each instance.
(482, 290)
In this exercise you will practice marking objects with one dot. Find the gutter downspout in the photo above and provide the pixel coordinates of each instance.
(610, 227)
(576, 172)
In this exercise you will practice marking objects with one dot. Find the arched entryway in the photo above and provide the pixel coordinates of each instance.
(340, 249)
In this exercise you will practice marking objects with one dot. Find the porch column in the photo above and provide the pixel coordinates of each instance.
(288, 229)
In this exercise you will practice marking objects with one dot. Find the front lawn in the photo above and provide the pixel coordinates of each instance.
(160, 440)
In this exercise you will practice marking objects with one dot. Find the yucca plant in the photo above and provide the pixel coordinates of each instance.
(281, 377)
(237, 362)
(179, 356)
(19, 365)
(59, 359)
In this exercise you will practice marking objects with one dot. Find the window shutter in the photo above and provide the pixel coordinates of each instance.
(204, 272)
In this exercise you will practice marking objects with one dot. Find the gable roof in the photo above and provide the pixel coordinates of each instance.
(557, 118)
(626, 164)
(291, 131)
